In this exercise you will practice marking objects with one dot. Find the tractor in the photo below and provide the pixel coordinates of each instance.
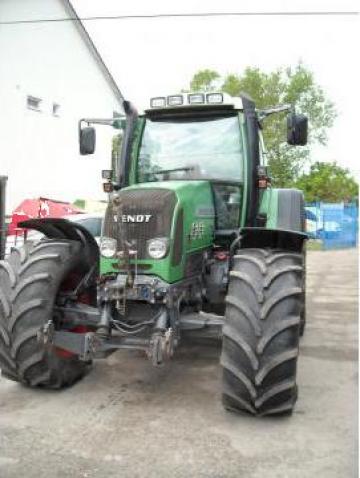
(195, 241)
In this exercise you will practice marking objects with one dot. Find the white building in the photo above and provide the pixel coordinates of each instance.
(51, 75)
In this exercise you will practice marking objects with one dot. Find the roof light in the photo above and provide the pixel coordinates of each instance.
(215, 98)
(159, 102)
(196, 98)
(175, 100)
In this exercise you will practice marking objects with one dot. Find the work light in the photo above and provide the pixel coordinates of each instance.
(175, 100)
(159, 102)
(108, 247)
(157, 248)
(196, 98)
(106, 173)
(214, 98)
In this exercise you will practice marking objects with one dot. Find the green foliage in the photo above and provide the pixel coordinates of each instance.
(204, 80)
(284, 85)
(80, 203)
(328, 182)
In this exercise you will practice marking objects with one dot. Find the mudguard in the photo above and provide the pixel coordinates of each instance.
(283, 209)
(261, 237)
(58, 228)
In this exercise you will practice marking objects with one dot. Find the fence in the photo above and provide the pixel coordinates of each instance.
(336, 225)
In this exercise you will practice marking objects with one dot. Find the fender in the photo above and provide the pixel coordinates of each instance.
(261, 237)
(58, 228)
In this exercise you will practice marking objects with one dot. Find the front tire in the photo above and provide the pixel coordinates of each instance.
(30, 281)
(261, 332)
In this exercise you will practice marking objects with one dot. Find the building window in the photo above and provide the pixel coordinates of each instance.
(33, 103)
(56, 109)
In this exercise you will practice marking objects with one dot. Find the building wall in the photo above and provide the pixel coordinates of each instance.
(50, 61)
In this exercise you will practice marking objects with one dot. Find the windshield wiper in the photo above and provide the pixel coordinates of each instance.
(174, 170)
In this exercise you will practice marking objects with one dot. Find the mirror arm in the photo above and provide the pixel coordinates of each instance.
(262, 114)
(103, 121)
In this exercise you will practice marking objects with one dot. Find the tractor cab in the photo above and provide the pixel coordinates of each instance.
(179, 182)
(197, 137)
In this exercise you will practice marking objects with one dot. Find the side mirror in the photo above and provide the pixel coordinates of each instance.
(297, 129)
(87, 140)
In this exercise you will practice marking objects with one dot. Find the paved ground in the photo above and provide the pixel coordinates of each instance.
(129, 420)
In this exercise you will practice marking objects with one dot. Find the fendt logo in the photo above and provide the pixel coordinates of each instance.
(135, 217)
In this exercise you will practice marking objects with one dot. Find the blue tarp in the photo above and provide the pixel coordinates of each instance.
(335, 224)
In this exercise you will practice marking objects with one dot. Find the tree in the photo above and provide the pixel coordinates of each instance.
(204, 80)
(328, 182)
(80, 203)
(284, 85)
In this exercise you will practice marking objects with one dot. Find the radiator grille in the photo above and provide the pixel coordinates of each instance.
(159, 204)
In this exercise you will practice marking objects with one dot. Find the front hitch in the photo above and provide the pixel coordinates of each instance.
(158, 346)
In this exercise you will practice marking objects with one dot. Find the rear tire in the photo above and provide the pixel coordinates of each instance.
(30, 281)
(261, 332)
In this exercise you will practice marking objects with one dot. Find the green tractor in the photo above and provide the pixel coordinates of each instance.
(195, 241)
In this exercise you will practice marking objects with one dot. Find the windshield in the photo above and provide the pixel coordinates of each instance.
(191, 149)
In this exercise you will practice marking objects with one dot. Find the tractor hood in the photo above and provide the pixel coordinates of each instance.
(181, 213)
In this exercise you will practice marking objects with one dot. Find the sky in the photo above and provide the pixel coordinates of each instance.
(152, 57)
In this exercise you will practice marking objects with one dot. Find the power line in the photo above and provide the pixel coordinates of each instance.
(177, 15)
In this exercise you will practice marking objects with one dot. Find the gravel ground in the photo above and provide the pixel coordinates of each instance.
(126, 419)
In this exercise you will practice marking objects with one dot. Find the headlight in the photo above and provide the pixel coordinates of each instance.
(108, 247)
(157, 248)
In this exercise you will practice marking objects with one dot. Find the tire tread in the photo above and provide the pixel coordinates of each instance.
(30, 279)
(261, 331)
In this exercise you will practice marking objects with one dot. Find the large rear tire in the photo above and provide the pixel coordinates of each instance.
(261, 332)
(30, 281)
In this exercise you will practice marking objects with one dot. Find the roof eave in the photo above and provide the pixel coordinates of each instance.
(93, 50)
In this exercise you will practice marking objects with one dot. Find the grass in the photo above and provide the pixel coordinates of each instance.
(314, 245)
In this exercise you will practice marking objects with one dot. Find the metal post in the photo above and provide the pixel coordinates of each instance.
(3, 180)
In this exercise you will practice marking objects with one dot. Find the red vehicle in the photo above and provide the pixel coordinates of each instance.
(40, 207)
